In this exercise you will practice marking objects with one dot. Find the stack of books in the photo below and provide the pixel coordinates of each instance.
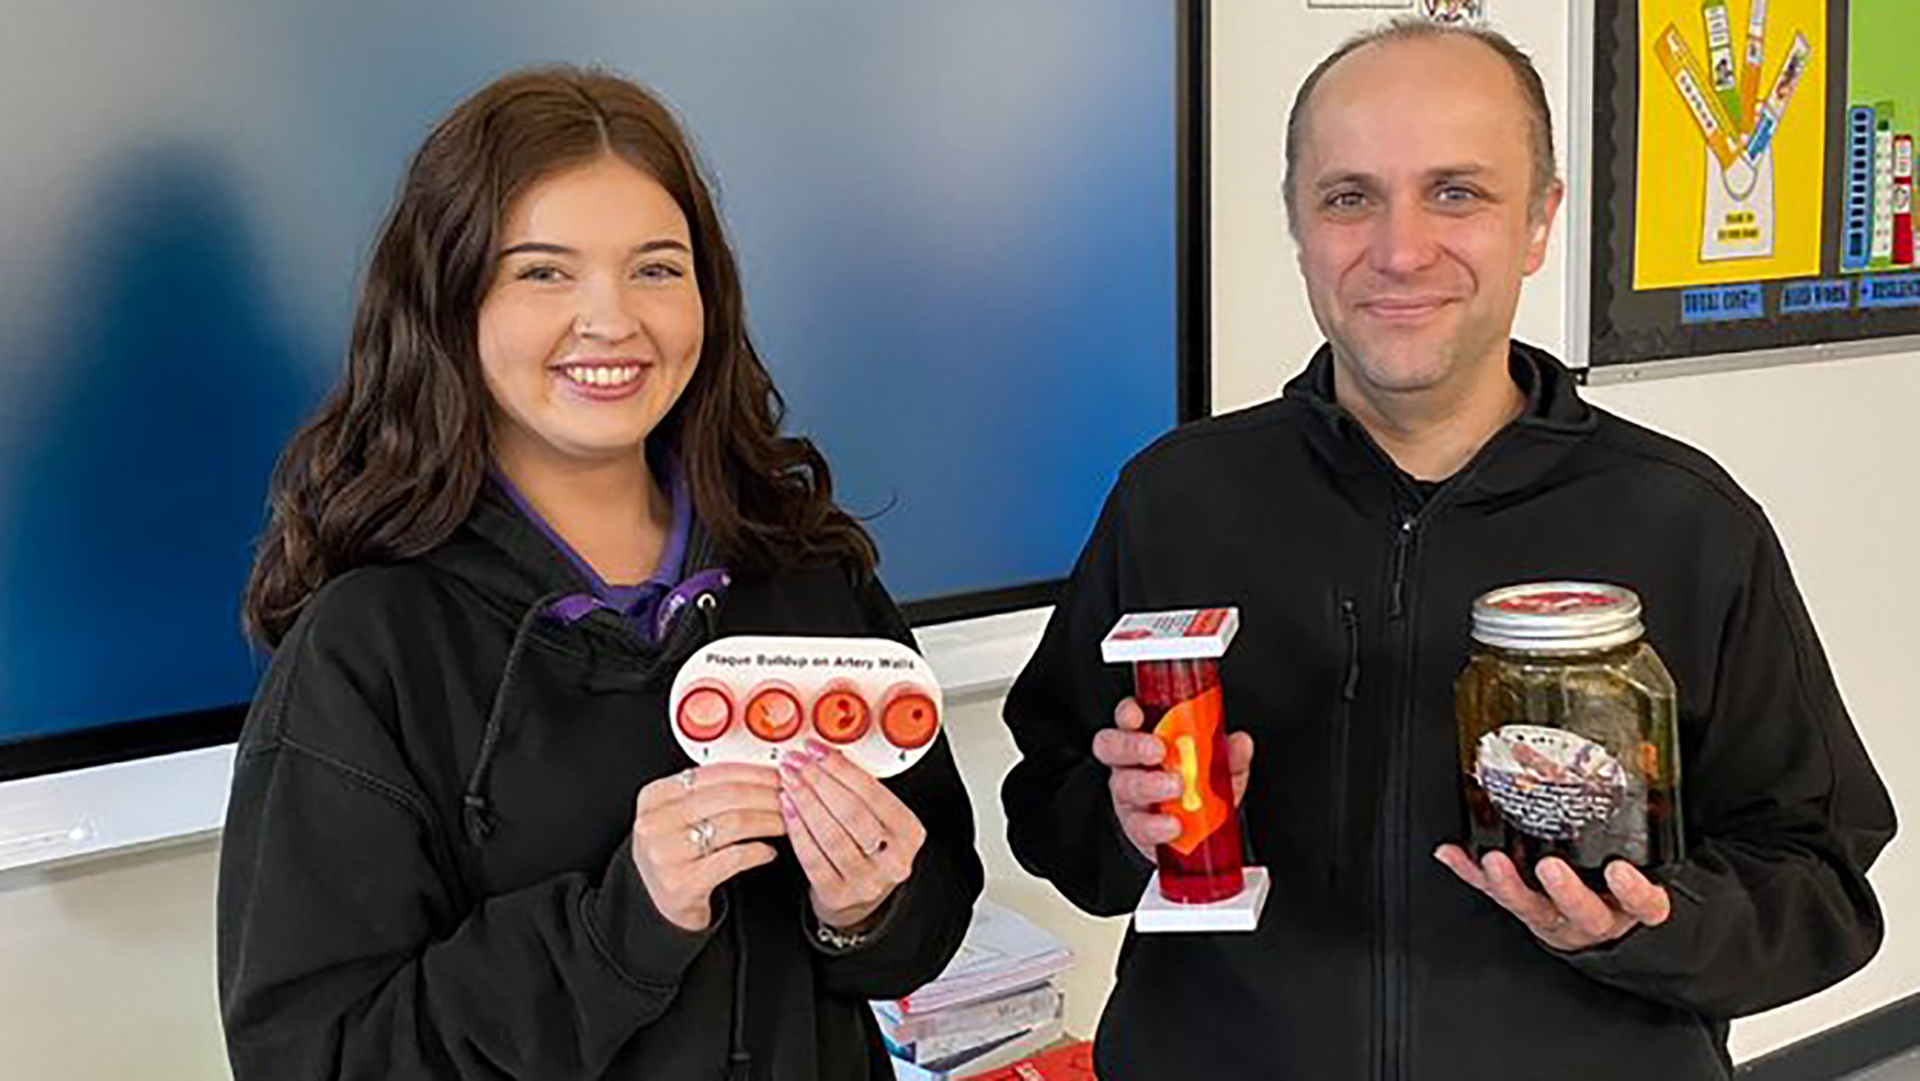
(995, 1003)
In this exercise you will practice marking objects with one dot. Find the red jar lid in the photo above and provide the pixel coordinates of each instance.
(1558, 617)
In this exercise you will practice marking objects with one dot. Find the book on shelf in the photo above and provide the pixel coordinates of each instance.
(1003, 952)
(1000, 1052)
(1022, 1006)
(986, 1032)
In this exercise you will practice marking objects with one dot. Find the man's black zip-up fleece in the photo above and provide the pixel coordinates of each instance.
(1372, 961)
(395, 904)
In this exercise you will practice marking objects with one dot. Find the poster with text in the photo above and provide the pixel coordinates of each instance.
(1883, 117)
(1730, 184)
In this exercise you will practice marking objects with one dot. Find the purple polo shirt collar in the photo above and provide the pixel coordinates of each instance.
(639, 603)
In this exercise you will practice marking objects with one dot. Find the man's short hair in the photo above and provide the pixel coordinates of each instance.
(1525, 75)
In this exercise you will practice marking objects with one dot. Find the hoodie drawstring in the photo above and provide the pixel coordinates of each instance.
(476, 810)
(565, 606)
(709, 606)
(739, 1060)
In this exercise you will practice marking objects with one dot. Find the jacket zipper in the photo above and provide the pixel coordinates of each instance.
(1390, 959)
(1393, 864)
(1343, 739)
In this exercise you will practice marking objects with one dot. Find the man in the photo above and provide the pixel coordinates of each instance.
(1422, 459)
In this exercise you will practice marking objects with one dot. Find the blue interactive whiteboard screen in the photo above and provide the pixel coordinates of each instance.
(958, 222)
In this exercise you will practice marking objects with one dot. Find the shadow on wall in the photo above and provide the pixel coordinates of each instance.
(131, 493)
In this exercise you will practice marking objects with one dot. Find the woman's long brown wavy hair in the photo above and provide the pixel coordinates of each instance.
(394, 459)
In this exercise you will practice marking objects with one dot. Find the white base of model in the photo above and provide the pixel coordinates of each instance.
(1240, 912)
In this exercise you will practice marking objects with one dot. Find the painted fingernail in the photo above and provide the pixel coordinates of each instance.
(819, 750)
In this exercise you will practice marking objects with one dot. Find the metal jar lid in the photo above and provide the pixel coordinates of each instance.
(1557, 617)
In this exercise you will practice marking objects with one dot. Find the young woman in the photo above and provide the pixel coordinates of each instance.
(462, 840)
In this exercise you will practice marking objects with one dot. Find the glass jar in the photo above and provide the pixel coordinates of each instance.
(1568, 741)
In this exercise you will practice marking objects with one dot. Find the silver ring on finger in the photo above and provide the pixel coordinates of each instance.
(700, 835)
(686, 778)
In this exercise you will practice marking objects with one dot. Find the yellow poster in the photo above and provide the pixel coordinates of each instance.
(1732, 154)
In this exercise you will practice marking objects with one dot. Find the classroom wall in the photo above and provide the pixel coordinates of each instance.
(106, 969)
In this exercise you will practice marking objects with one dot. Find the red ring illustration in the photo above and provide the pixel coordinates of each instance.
(908, 717)
(705, 713)
(840, 715)
(773, 712)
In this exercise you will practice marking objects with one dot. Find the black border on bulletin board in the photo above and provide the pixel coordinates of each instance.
(1629, 327)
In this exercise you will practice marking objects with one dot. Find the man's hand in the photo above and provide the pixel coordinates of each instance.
(1568, 916)
(1138, 782)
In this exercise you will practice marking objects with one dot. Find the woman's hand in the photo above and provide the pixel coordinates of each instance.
(856, 840)
(700, 827)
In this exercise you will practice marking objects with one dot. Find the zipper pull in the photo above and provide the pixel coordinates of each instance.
(1350, 619)
(1397, 603)
(1343, 741)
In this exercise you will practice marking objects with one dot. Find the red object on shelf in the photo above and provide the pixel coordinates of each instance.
(1068, 1062)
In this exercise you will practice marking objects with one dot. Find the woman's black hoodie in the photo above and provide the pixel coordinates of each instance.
(426, 868)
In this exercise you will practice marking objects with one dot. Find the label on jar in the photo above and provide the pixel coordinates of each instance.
(1557, 602)
(1549, 783)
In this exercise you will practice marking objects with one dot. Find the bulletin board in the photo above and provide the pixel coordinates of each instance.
(1752, 169)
